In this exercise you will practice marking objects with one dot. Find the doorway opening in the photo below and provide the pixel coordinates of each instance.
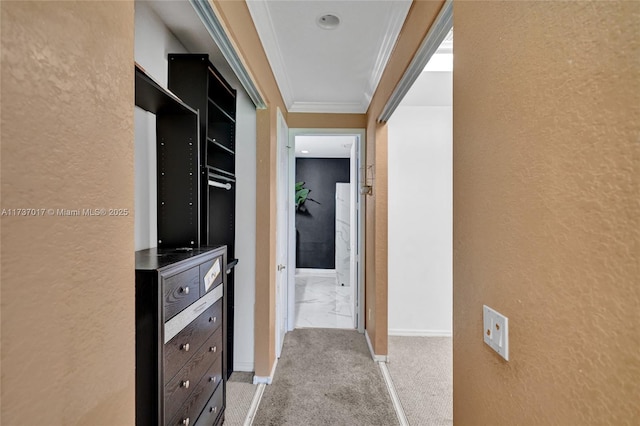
(325, 285)
(324, 296)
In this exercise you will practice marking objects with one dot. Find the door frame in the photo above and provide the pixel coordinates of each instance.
(360, 217)
(283, 219)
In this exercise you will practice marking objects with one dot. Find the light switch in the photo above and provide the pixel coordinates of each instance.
(496, 331)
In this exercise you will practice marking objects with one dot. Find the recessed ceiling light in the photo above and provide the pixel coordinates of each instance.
(304, 151)
(328, 21)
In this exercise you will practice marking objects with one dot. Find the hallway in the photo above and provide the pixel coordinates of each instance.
(327, 377)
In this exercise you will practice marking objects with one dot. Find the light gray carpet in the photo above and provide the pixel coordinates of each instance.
(326, 377)
(422, 371)
(240, 392)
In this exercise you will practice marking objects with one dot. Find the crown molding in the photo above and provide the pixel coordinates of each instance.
(259, 11)
(394, 25)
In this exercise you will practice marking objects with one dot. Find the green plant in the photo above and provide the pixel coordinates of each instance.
(302, 196)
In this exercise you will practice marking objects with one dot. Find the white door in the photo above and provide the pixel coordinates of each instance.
(343, 235)
(353, 214)
(282, 232)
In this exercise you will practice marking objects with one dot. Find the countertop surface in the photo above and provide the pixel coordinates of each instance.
(157, 258)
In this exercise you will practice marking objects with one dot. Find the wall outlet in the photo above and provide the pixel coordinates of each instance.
(496, 331)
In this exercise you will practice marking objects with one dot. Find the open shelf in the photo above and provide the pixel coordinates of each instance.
(217, 144)
(219, 90)
(223, 174)
(217, 113)
(223, 133)
(154, 98)
(220, 157)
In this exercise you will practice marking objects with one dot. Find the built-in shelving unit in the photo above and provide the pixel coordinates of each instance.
(195, 80)
(177, 148)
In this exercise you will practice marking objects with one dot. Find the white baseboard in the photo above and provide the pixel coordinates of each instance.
(266, 380)
(419, 333)
(395, 399)
(243, 366)
(255, 403)
(376, 358)
(321, 272)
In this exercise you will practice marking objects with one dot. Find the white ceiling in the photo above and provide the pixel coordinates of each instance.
(324, 146)
(323, 92)
(334, 70)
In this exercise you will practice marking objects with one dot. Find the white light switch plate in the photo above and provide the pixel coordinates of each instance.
(496, 331)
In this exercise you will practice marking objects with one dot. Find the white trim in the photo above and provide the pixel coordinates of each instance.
(291, 282)
(390, 36)
(212, 23)
(255, 404)
(360, 245)
(259, 11)
(419, 333)
(438, 32)
(395, 399)
(282, 231)
(245, 366)
(330, 107)
(266, 380)
(376, 358)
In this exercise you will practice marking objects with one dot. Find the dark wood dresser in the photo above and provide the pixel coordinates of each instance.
(180, 336)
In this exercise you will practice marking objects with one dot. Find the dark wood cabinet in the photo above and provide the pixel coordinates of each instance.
(195, 80)
(180, 342)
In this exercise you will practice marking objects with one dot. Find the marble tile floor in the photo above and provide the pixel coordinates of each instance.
(322, 303)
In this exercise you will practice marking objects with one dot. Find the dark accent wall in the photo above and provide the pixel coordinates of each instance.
(316, 229)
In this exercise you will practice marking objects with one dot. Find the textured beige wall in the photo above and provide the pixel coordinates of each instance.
(547, 211)
(68, 349)
(419, 19)
(304, 120)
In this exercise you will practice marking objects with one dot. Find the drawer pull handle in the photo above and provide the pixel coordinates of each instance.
(185, 384)
(212, 379)
(213, 409)
(184, 290)
(184, 347)
(213, 349)
(185, 421)
(213, 319)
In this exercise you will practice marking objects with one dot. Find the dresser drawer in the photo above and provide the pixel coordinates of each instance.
(212, 409)
(181, 348)
(188, 413)
(211, 274)
(179, 291)
(180, 387)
